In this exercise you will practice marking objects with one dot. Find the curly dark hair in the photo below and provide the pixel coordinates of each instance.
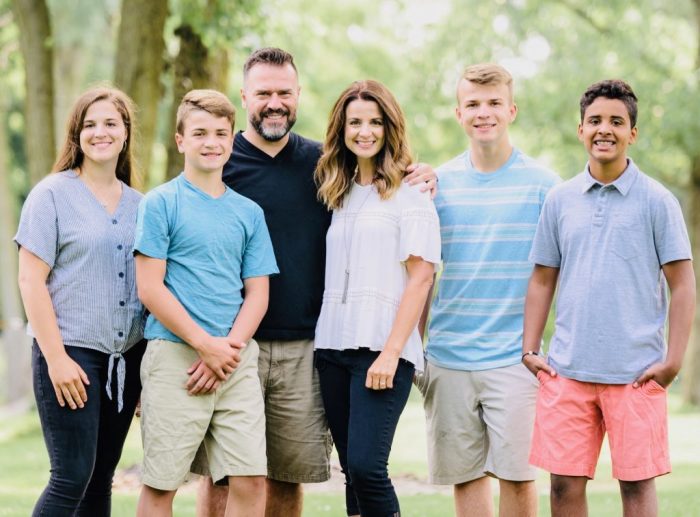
(611, 89)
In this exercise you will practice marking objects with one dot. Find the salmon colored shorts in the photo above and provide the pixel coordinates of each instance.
(573, 416)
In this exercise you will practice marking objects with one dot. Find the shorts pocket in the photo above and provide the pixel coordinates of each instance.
(419, 382)
(146, 362)
(543, 376)
(651, 388)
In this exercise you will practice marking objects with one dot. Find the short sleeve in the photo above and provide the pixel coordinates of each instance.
(546, 249)
(38, 225)
(670, 233)
(258, 256)
(419, 227)
(152, 236)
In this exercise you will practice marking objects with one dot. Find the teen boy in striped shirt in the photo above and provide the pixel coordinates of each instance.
(479, 398)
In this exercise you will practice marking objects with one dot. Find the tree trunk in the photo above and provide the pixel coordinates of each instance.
(16, 387)
(218, 64)
(140, 47)
(189, 72)
(32, 17)
(691, 368)
(72, 82)
(194, 67)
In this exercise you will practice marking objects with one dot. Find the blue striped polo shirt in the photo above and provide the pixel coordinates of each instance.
(487, 223)
(92, 281)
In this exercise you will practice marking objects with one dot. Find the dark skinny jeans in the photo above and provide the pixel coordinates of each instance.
(363, 422)
(84, 445)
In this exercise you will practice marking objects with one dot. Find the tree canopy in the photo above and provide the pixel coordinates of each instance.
(418, 49)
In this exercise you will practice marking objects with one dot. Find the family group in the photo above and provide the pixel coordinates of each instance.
(281, 296)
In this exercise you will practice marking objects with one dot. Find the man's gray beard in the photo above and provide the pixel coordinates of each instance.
(272, 135)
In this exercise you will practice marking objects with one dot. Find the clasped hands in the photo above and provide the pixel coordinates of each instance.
(218, 358)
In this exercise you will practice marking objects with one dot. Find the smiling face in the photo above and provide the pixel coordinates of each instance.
(270, 95)
(606, 131)
(364, 130)
(206, 141)
(485, 111)
(103, 133)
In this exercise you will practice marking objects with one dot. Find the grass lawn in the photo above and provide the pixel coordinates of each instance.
(24, 471)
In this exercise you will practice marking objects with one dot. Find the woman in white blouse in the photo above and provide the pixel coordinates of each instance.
(382, 248)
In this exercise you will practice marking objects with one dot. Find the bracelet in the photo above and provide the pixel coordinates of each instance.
(530, 352)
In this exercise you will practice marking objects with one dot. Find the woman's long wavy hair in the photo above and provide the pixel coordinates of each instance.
(71, 155)
(337, 166)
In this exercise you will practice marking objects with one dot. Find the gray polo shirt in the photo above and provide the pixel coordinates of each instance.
(91, 283)
(609, 242)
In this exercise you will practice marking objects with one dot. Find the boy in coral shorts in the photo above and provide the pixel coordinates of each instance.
(613, 238)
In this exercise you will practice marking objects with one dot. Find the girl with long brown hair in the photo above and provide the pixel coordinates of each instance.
(76, 277)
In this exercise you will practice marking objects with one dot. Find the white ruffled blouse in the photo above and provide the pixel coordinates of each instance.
(372, 239)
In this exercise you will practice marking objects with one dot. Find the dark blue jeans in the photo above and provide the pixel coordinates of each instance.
(362, 422)
(84, 445)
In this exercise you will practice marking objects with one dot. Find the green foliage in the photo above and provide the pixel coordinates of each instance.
(75, 22)
(590, 41)
(554, 50)
(12, 100)
(221, 23)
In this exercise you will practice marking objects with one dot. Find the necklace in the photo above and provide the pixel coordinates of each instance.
(348, 245)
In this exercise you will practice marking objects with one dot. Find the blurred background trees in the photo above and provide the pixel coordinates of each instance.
(157, 50)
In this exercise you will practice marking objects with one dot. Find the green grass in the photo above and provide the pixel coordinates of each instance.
(24, 471)
(411, 505)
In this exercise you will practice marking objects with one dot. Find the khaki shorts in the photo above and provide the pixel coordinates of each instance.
(298, 441)
(229, 422)
(479, 423)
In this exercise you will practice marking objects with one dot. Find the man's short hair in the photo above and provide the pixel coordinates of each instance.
(211, 101)
(268, 56)
(611, 89)
(488, 74)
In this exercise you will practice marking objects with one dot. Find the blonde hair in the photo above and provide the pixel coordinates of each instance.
(336, 168)
(490, 74)
(71, 155)
(211, 101)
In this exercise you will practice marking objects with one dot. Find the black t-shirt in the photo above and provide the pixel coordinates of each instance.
(284, 187)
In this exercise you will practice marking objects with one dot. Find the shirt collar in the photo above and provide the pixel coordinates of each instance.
(621, 184)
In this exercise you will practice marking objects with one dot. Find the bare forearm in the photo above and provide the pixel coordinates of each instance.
(681, 283)
(411, 306)
(250, 315)
(42, 317)
(172, 315)
(538, 301)
(423, 321)
(680, 320)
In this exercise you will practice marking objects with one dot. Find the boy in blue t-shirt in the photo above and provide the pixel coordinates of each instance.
(198, 245)
(612, 238)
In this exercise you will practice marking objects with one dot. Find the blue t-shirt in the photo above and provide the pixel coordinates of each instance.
(487, 222)
(209, 244)
(609, 243)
